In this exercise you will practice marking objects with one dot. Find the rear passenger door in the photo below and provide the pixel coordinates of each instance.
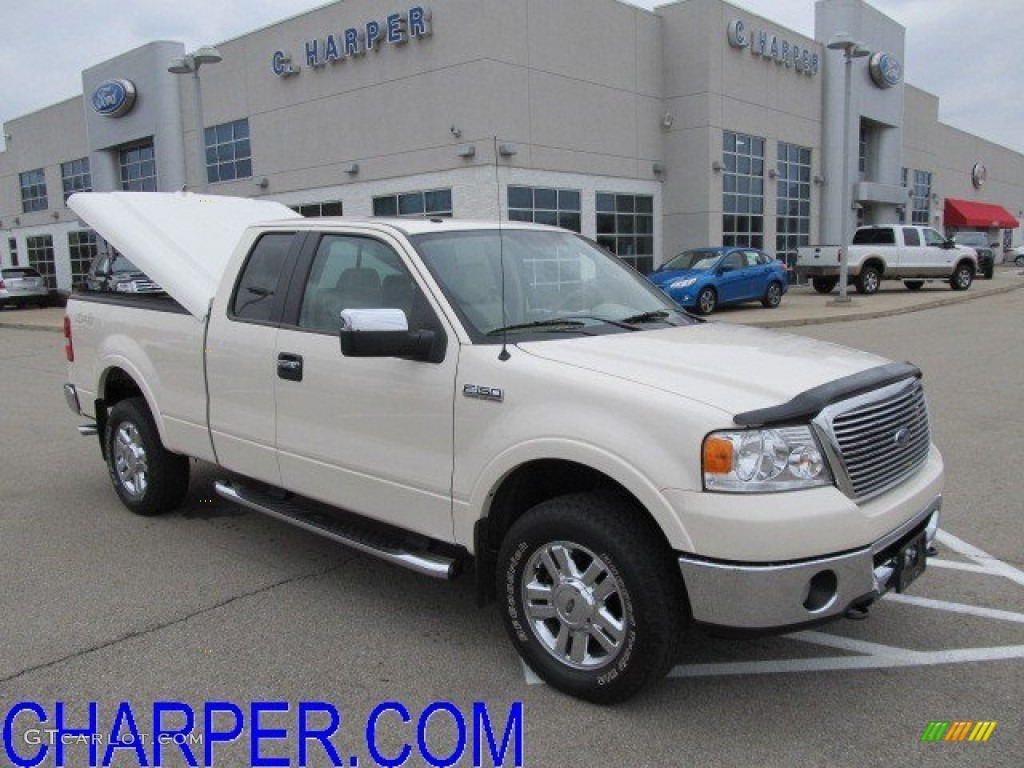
(370, 435)
(240, 367)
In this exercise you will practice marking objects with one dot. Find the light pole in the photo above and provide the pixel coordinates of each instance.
(190, 64)
(851, 49)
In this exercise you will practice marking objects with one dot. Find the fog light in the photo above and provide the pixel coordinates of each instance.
(822, 590)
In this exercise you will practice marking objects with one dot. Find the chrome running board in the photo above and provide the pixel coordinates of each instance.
(368, 539)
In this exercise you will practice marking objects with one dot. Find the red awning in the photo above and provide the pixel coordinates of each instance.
(966, 213)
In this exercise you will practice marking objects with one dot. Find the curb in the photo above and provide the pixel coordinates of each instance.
(875, 314)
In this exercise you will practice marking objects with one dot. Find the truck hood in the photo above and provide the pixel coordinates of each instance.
(181, 240)
(730, 367)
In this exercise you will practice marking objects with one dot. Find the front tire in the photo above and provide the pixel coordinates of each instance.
(868, 281)
(1019, 260)
(707, 300)
(591, 597)
(773, 296)
(149, 479)
(962, 277)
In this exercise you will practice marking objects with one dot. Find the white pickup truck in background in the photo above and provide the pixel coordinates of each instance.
(437, 392)
(909, 253)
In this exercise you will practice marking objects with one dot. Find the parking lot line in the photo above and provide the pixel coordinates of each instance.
(982, 558)
(970, 610)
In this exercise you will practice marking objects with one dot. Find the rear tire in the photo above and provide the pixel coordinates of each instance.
(824, 284)
(773, 295)
(591, 596)
(149, 479)
(868, 281)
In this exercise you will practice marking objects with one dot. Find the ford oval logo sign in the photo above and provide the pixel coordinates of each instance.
(113, 98)
(886, 70)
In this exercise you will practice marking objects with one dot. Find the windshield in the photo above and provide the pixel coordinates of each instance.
(698, 259)
(123, 264)
(554, 282)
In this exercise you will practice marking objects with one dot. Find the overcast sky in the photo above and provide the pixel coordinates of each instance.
(970, 53)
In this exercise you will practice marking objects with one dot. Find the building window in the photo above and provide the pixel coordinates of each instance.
(435, 202)
(742, 190)
(625, 226)
(12, 246)
(82, 247)
(33, 190)
(792, 201)
(40, 258)
(228, 153)
(922, 198)
(75, 177)
(542, 205)
(138, 168)
(312, 210)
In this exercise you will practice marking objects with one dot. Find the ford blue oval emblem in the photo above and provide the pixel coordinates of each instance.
(113, 98)
(886, 70)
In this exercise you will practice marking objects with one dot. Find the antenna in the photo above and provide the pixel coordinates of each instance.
(503, 355)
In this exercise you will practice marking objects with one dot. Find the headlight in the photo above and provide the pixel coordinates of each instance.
(686, 282)
(763, 460)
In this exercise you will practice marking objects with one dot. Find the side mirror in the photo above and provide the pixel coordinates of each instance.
(949, 243)
(385, 333)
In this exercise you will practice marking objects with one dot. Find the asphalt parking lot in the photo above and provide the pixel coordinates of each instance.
(213, 603)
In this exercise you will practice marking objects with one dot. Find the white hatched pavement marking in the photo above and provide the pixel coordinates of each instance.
(971, 610)
(898, 658)
(982, 558)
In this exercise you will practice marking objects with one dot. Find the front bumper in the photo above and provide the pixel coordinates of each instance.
(773, 597)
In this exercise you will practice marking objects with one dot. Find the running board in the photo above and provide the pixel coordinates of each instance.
(363, 538)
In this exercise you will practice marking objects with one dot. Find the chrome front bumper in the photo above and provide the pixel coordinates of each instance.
(750, 596)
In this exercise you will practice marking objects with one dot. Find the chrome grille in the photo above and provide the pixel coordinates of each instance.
(879, 438)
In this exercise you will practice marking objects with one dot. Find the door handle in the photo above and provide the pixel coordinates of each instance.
(289, 366)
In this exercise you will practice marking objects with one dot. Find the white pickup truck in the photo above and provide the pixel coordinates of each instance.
(438, 392)
(908, 253)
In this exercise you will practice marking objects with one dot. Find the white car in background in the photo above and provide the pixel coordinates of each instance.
(21, 286)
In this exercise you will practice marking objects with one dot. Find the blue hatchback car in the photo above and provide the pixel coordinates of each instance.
(704, 278)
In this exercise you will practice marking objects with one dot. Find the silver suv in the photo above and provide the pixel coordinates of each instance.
(21, 286)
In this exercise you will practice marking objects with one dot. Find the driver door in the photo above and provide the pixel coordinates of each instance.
(369, 435)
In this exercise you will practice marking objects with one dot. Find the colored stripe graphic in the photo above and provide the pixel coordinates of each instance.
(982, 730)
(935, 730)
(959, 730)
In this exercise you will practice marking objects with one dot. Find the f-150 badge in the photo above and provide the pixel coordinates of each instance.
(483, 393)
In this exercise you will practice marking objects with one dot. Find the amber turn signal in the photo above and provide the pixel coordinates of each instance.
(718, 453)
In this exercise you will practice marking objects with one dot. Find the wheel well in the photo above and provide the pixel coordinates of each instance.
(116, 386)
(526, 487)
(968, 262)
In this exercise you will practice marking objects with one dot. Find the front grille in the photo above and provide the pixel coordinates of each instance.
(879, 438)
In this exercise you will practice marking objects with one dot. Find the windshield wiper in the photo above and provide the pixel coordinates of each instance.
(647, 317)
(555, 323)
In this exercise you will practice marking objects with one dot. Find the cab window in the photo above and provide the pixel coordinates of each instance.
(258, 285)
(352, 272)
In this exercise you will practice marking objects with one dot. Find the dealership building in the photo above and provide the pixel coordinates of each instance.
(649, 131)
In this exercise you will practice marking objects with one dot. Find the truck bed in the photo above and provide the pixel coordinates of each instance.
(160, 346)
